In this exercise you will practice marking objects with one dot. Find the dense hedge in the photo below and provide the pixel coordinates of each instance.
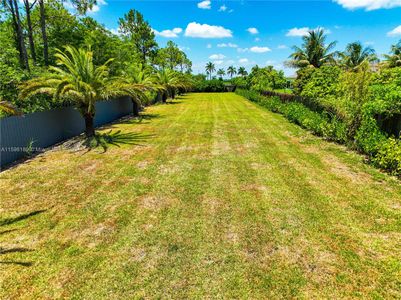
(383, 152)
(214, 85)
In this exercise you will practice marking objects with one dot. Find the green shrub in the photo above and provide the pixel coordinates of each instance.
(388, 156)
(214, 85)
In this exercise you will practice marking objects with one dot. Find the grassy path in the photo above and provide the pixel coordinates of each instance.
(210, 196)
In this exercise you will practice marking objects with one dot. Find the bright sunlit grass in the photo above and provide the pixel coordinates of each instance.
(210, 196)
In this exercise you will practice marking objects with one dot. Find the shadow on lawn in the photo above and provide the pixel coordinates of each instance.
(4, 251)
(116, 138)
(9, 221)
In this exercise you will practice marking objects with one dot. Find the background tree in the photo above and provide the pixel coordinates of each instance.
(139, 32)
(242, 71)
(231, 70)
(221, 73)
(210, 68)
(13, 9)
(28, 7)
(355, 54)
(171, 81)
(394, 58)
(313, 52)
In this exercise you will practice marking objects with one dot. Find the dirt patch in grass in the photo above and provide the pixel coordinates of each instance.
(156, 202)
(344, 171)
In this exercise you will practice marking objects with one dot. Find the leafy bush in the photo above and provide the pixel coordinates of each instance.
(388, 156)
(214, 85)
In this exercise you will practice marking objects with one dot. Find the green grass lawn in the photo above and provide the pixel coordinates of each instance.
(208, 197)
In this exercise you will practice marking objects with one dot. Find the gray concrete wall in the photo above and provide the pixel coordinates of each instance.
(46, 128)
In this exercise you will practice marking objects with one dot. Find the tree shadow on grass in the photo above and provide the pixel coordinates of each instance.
(142, 118)
(5, 251)
(20, 263)
(14, 250)
(116, 138)
(9, 221)
(173, 102)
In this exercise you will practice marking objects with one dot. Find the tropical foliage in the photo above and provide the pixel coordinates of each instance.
(314, 51)
(76, 79)
(355, 55)
(133, 55)
(210, 68)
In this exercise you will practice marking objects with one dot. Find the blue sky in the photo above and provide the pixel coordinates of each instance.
(245, 33)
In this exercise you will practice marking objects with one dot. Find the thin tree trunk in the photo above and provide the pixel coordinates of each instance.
(89, 125)
(44, 34)
(19, 34)
(30, 32)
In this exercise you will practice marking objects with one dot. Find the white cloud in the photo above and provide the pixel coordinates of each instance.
(209, 46)
(230, 61)
(206, 31)
(243, 60)
(217, 56)
(228, 45)
(298, 31)
(282, 47)
(206, 4)
(368, 4)
(218, 62)
(304, 31)
(223, 8)
(257, 39)
(257, 49)
(253, 30)
(395, 32)
(168, 33)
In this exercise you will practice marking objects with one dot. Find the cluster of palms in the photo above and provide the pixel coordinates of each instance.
(314, 52)
(77, 79)
(231, 71)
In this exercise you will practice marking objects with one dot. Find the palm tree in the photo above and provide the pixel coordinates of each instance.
(231, 70)
(141, 78)
(242, 71)
(313, 52)
(170, 81)
(354, 55)
(210, 68)
(221, 73)
(79, 81)
(394, 59)
(9, 108)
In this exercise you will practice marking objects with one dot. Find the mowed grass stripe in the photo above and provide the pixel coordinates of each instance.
(220, 198)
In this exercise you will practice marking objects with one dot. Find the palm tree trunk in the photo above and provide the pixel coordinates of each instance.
(89, 125)
(28, 8)
(44, 34)
(164, 97)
